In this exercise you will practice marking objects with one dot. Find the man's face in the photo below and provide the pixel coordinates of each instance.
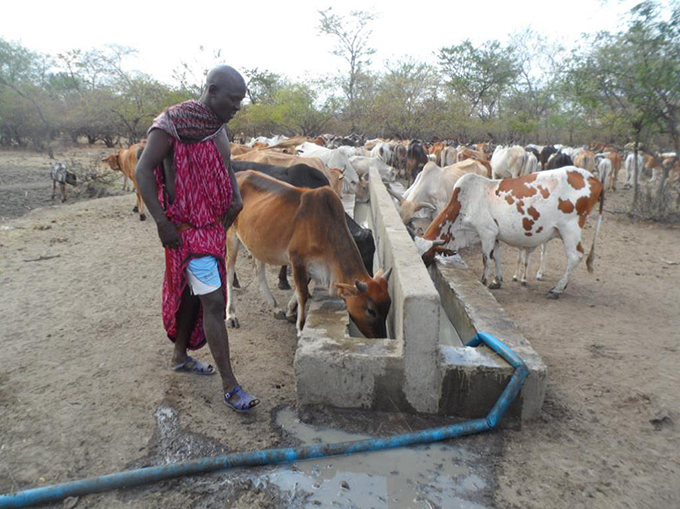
(227, 102)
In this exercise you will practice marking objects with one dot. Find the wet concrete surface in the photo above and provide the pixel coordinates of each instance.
(453, 474)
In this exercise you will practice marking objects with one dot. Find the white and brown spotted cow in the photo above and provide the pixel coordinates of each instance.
(524, 212)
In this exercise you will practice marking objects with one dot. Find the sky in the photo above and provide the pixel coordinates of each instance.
(282, 37)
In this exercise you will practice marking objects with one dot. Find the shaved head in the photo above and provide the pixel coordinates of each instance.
(225, 76)
(224, 90)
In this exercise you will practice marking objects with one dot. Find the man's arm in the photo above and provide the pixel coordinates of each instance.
(158, 146)
(222, 142)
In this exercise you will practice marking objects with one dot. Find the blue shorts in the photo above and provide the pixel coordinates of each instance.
(203, 275)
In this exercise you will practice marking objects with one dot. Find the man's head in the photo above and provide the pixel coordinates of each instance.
(224, 90)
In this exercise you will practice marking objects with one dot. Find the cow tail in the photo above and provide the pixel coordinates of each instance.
(591, 254)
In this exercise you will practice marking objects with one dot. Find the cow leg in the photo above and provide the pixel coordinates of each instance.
(62, 187)
(571, 237)
(140, 206)
(125, 181)
(488, 244)
(521, 253)
(283, 278)
(541, 268)
(495, 255)
(54, 188)
(301, 279)
(527, 256)
(264, 288)
(233, 244)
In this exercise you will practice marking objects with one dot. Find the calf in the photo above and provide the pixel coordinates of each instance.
(62, 176)
(523, 212)
(281, 224)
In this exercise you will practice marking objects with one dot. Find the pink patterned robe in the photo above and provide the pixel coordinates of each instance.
(203, 196)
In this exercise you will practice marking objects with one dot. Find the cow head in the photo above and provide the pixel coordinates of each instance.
(368, 303)
(113, 162)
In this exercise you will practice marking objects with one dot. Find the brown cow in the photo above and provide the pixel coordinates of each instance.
(125, 161)
(306, 228)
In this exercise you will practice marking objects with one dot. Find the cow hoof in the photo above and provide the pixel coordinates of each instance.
(280, 315)
(142, 217)
(291, 318)
(495, 285)
(135, 209)
(283, 285)
(514, 278)
(553, 295)
(524, 283)
(539, 278)
(232, 323)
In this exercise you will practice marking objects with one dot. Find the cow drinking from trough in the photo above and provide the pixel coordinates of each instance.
(306, 228)
(523, 212)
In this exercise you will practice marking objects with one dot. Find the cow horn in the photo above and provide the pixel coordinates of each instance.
(425, 205)
(387, 274)
(361, 286)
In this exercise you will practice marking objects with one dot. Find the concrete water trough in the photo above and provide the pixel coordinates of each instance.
(422, 366)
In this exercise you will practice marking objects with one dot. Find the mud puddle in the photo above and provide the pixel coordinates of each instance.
(428, 476)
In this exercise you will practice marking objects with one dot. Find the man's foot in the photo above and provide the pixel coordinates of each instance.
(191, 365)
(240, 400)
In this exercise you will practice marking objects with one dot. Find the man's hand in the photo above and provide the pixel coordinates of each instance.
(169, 234)
(231, 215)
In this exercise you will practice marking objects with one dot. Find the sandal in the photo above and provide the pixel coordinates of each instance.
(246, 401)
(191, 365)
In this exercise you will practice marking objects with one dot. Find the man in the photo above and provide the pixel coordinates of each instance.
(188, 185)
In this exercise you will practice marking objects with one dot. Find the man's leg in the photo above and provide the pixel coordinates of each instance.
(186, 317)
(218, 340)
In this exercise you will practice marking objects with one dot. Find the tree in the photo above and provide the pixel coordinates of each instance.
(635, 75)
(25, 72)
(352, 34)
(405, 103)
(479, 74)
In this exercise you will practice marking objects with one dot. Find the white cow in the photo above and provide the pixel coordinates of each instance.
(449, 156)
(511, 162)
(523, 212)
(362, 165)
(334, 158)
(382, 151)
(432, 190)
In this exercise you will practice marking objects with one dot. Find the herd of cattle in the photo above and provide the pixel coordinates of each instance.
(523, 196)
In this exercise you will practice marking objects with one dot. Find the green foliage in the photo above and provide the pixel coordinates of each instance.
(481, 74)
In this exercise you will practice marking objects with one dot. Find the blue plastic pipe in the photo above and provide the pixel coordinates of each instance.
(132, 478)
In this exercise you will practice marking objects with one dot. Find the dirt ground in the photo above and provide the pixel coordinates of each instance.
(85, 362)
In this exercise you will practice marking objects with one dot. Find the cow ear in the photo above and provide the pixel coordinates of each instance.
(361, 286)
(346, 290)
